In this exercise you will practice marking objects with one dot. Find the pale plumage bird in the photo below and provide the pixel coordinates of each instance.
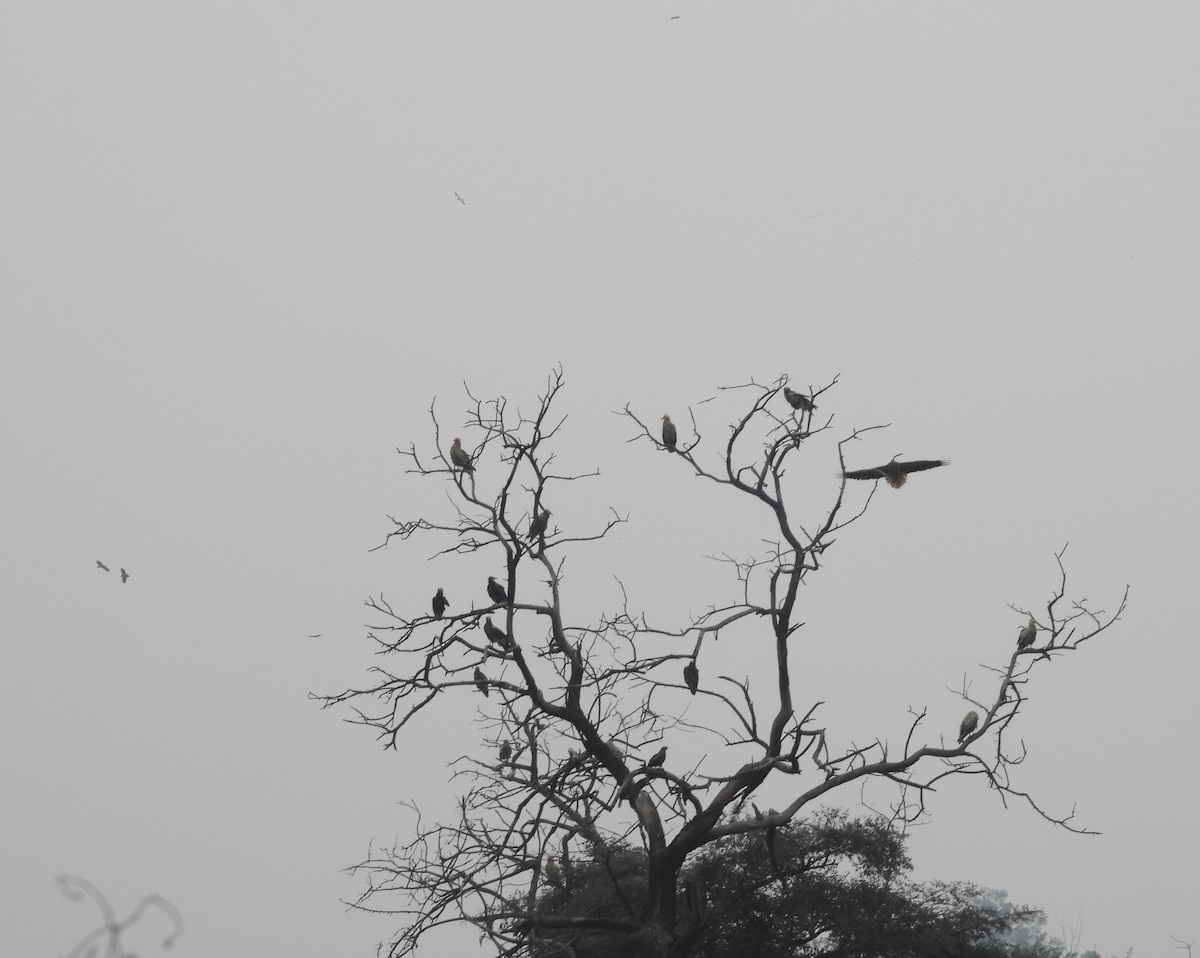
(440, 604)
(970, 722)
(798, 401)
(669, 434)
(495, 633)
(657, 758)
(459, 457)
(496, 591)
(896, 473)
(481, 682)
(1028, 634)
(691, 675)
(537, 527)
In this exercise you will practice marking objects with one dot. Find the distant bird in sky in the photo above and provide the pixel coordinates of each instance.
(691, 675)
(124, 575)
(481, 682)
(460, 199)
(970, 722)
(1028, 634)
(798, 400)
(896, 473)
(459, 457)
(440, 604)
(505, 752)
(496, 591)
(676, 18)
(657, 758)
(538, 526)
(669, 434)
(495, 633)
(103, 566)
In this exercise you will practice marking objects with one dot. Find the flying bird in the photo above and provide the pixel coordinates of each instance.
(657, 758)
(670, 436)
(798, 400)
(505, 752)
(896, 473)
(103, 566)
(496, 591)
(495, 633)
(970, 722)
(460, 458)
(1028, 634)
(124, 575)
(481, 682)
(537, 527)
(440, 604)
(460, 199)
(691, 675)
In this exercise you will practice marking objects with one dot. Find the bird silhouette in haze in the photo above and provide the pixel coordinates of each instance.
(657, 758)
(798, 401)
(440, 604)
(896, 473)
(124, 575)
(459, 457)
(970, 722)
(537, 527)
(670, 434)
(495, 633)
(691, 675)
(1028, 634)
(103, 566)
(481, 682)
(496, 591)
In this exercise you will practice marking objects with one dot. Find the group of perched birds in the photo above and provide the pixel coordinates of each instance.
(124, 574)
(499, 596)
(1025, 639)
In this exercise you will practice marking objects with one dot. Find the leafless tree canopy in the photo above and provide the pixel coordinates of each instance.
(575, 711)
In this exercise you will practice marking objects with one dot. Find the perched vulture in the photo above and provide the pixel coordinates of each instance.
(691, 675)
(505, 752)
(970, 722)
(538, 526)
(496, 591)
(124, 575)
(495, 633)
(895, 472)
(459, 458)
(657, 758)
(440, 604)
(481, 682)
(1028, 634)
(670, 436)
(101, 565)
(798, 400)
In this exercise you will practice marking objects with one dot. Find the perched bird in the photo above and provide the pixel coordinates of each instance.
(970, 722)
(691, 675)
(538, 526)
(657, 758)
(496, 591)
(505, 752)
(481, 682)
(670, 436)
(896, 473)
(460, 458)
(1028, 634)
(440, 604)
(495, 633)
(103, 566)
(798, 400)
(124, 575)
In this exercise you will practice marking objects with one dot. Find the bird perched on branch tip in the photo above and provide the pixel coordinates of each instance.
(459, 457)
(657, 758)
(481, 682)
(896, 473)
(440, 604)
(970, 722)
(691, 675)
(1027, 635)
(496, 591)
(669, 434)
(798, 401)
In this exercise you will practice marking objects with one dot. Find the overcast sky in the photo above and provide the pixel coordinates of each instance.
(235, 275)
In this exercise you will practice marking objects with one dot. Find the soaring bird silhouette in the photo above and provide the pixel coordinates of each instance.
(798, 400)
(691, 675)
(103, 566)
(1028, 634)
(459, 457)
(481, 682)
(896, 473)
(124, 575)
(657, 758)
(440, 604)
(538, 526)
(495, 633)
(496, 591)
(669, 434)
(970, 722)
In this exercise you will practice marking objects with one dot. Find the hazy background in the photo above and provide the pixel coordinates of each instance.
(235, 275)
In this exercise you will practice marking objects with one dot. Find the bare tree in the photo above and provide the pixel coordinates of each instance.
(573, 709)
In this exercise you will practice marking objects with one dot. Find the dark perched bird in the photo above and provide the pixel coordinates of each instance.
(691, 675)
(970, 722)
(495, 633)
(124, 575)
(103, 566)
(440, 604)
(505, 752)
(538, 526)
(798, 400)
(896, 473)
(670, 436)
(1028, 634)
(496, 591)
(657, 758)
(481, 682)
(460, 458)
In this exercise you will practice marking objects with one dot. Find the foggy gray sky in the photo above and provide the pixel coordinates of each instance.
(235, 275)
